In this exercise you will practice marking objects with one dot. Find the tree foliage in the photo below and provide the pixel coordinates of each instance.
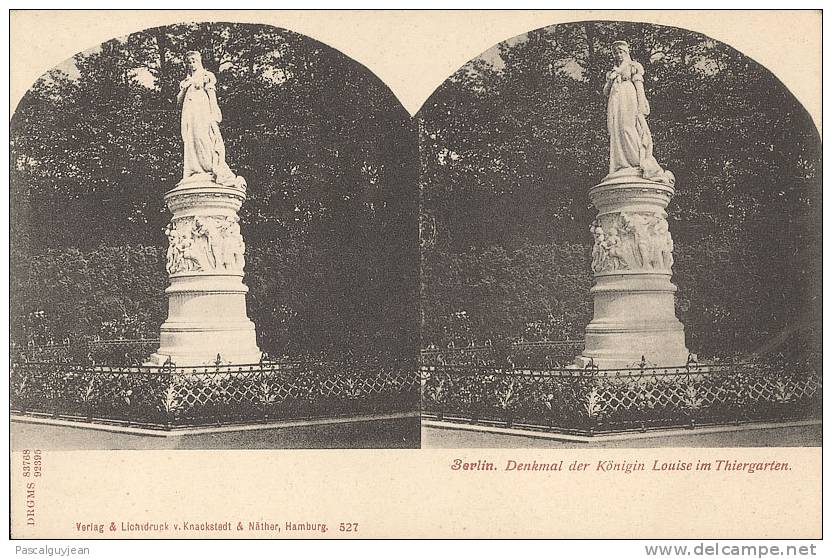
(512, 142)
(328, 153)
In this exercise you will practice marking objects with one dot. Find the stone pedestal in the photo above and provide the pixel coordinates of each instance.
(206, 298)
(633, 297)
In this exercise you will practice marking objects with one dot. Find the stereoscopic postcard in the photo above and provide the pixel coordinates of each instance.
(415, 274)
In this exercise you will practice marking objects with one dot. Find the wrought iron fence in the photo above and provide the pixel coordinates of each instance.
(594, 401)
(167, 397)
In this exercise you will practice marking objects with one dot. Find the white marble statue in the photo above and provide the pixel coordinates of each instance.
(637, 225)
(631, 241)
(235, 248)
(205, 235)
(205, 244)
(599, 250)
(204, 150)
(180, 256)
(631, 144)
(616, 254)
(664, 246)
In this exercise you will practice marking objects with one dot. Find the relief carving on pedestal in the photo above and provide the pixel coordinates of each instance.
(205, 244)
(631, 241)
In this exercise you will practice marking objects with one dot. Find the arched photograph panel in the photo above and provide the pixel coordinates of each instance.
(214, 224)
(620, 230)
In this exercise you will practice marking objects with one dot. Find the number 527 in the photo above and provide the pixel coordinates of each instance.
(348, 527)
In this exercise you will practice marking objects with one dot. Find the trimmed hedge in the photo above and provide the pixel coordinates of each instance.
(539, 292)
(304, 300)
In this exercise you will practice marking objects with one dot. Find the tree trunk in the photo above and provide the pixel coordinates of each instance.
(164, 77)
(594, 80)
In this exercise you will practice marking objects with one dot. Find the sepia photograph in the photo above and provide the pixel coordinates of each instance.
(214, 244)
(620, 246)
(415, 274)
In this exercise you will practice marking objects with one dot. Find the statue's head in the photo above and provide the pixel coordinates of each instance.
(193, 60)
(620, 51)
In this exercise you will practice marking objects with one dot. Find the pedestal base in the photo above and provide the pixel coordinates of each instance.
(634, 320)
(190, 344)
(628, 350)
(207, 321)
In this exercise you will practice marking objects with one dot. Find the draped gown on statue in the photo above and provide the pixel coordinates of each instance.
(631, 144)
(204, 150)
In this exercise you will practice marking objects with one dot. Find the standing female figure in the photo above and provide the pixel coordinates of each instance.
(631, 144)
(204, 150)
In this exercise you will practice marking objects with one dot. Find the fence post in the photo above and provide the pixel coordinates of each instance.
(53, 391)
(170, 406)
(88, 395)
(476, 409)
(440, 414)
(737, 388)
(263, 387)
